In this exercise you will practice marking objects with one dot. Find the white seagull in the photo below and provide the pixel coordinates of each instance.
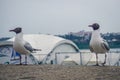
(97, 43)
(20, 45)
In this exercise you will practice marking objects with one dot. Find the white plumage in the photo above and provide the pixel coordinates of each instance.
(97, 44)
(20, 45)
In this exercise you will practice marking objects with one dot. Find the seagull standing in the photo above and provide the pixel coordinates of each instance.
(97, 43)
(20, 45)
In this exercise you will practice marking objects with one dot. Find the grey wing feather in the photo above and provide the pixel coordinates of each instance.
(105, 45)
(28, 46)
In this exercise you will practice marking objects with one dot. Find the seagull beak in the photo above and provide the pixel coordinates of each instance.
(90, 25)
(11, 30)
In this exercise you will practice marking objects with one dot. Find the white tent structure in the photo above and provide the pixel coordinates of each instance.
(69, 62)
(49, 44)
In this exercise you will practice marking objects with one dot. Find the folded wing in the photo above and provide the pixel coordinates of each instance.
(105, 45)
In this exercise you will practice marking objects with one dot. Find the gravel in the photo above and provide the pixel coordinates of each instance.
(58, 72)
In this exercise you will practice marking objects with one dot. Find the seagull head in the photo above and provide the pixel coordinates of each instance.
(95, 26)
(17, 30)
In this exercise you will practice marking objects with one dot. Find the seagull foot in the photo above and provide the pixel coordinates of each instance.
(20, 64)
(96, 65)
(103, 64)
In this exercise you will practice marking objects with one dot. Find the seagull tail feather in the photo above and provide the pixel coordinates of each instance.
(37, 49)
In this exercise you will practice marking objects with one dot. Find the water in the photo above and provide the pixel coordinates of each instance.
(112, 50)
(115, 50)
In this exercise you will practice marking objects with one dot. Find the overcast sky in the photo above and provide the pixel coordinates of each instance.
(58, 16)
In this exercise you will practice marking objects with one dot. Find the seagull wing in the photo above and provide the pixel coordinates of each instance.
(105, 45)
(28, 47)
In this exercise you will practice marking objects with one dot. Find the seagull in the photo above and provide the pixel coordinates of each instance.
(97, 44)
(20, 45)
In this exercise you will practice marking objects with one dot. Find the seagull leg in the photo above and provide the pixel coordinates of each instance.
(26, 59)
(97, 60)
(20, 60)
(104, 60)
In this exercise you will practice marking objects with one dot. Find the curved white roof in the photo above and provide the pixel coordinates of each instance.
(45, 42)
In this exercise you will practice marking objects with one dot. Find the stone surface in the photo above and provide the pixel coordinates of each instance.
(58, 72)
